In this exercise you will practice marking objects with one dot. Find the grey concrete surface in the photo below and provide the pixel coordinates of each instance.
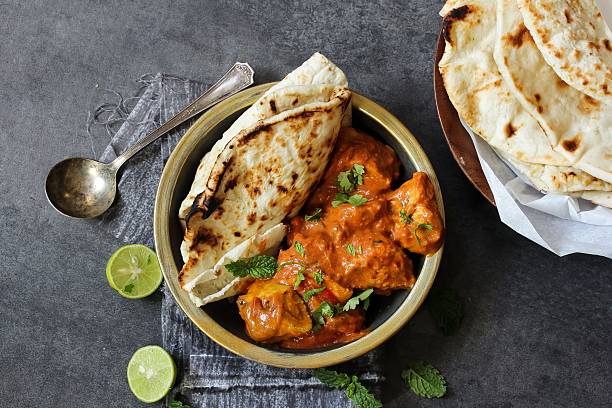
(537, 327)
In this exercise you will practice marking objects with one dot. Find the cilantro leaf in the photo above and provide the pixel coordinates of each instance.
(421, 226)
(354, 301)
(357, 200)
(332, 378)
(325, 310)
(351, 249)
(129, 288)
(310, 293)
(315, 216)
(298, 279)
(348, 181)
(299, 248)
(405, 218)
(446, 307)
(177, 404)
(360, 395)
(360, 249)
(259, 267)
(318, 277)
(345, 181)
(424, 380)
(341, 198)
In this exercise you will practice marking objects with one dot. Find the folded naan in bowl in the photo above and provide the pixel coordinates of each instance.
(260, 173)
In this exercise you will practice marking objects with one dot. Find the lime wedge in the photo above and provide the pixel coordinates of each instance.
(133, 271)
(151, 373)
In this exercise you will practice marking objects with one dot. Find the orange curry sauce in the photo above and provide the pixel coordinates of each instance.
(352, 247)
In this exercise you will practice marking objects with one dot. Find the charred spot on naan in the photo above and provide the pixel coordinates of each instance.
(456, 14)
(510, 130)
(518, 38)
(573, 144)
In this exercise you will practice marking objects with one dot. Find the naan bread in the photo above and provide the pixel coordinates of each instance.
(316, 71)
(575, 41)
(477, 90)
(262, 176)
(564, 113)
(484, 101)
(603, 198)
(557, 179)
(218, 283)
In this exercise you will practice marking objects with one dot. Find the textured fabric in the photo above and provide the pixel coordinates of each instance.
(209, 376)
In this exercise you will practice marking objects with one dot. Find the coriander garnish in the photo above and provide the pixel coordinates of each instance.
(318, 316)
(315, 216)
(405, 218)
(350, 249)
(354, 301)
(318, 277)
(355, 199)
(259, 267)
(299, 278)
(349, 180)
(421, 226)
(353, 388)
(424, 380)
(310, 293)
(299, 248)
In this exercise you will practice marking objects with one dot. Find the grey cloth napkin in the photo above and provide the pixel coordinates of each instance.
(209, 376)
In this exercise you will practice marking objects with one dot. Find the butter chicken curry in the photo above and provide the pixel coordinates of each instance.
(349, 242)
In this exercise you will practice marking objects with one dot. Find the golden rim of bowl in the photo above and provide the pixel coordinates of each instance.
(225, 338)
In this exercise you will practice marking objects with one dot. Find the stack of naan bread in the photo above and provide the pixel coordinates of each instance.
(534, 79)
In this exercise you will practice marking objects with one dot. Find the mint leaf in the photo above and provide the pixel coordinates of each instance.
(332, 378)
(259, 267)
(350, 249)
(315, 216)
(177, 404)
(298, 279)
(354, 301)
(310, 293)
(360, 395)
(318, 277)
(357, 200)
(424, 380)
(299, 248)
(446, 308)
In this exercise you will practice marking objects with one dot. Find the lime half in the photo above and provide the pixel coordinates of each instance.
(151, 373)
(133, 271)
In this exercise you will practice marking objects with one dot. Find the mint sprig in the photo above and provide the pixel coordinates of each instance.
(259, 267)
(446, 308)
(359, 394)
(424, 380)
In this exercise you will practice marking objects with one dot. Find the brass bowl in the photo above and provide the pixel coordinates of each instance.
(220, 320)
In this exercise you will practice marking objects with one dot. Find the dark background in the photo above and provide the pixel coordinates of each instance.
(537, 327)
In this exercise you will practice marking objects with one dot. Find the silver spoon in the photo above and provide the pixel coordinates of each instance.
(86, 188)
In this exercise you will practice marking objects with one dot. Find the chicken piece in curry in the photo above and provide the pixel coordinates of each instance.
(350, 240)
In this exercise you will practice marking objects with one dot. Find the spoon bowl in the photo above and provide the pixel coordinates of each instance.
(81, 188)
(85, 188)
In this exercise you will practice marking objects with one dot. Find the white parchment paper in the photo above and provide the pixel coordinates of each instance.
(559, 223)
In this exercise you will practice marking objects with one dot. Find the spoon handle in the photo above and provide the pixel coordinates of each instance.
(239, 77)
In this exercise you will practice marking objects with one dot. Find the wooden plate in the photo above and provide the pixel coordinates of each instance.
(458, 139)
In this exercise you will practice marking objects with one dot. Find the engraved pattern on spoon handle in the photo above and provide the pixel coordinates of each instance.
(239, 77)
